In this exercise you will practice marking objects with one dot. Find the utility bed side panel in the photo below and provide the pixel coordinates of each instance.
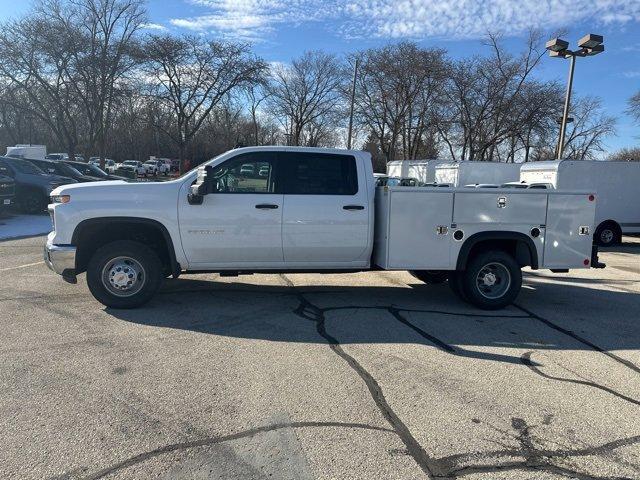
(410, 240)
(566, 246)
(500, 207)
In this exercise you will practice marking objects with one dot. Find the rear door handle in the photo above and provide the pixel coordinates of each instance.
(266, 206)
(353, 207)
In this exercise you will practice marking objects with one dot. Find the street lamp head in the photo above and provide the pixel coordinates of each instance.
(594, 50)
(556, 45)
(590, 41)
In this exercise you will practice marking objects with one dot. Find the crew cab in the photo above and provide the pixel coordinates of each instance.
(313, 210)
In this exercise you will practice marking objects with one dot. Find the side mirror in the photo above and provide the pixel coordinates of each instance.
(202, 186)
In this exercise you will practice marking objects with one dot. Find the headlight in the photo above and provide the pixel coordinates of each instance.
(60, 198)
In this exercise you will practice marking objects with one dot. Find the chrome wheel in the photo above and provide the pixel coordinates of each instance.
(123, 276)
(493, 280)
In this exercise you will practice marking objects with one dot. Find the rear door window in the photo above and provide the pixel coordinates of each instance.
(319, 173)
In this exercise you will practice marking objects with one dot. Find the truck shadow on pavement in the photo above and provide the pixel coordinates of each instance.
(342, 315)
(582, 318)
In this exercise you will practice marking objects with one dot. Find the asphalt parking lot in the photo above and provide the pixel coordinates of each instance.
(356, 376)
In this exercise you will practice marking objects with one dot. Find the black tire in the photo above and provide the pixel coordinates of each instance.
(32, 202)
(432, 277)
(501, 270)
(608, 234)
(104, 263)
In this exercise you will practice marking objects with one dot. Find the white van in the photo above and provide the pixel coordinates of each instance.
(459, 174)
(34, 152)
(422, 170)
(617, 185)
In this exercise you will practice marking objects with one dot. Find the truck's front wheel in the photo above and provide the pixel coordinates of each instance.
(124, 274)
(492, 280)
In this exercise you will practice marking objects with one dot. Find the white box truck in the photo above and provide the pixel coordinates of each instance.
(617, 185)
(422, 170)
(34, 152)
(459, 174)
(314, 210)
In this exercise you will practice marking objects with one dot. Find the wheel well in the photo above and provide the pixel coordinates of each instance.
(90, 235)
(520, 247)
(612, 223)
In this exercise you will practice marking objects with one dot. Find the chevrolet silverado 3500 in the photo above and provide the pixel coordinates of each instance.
(311, 210)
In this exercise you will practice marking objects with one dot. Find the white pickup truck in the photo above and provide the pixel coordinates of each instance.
(311, 210)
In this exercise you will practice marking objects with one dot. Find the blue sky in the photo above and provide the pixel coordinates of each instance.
(283, 29)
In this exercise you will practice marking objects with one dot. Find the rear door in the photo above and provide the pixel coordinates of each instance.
(326, 215)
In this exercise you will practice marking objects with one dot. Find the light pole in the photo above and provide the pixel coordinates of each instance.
(589, 45)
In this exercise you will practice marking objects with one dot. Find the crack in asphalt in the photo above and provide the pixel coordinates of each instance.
(526, 360)
(204, 442)
(580, 339)
(536, 459)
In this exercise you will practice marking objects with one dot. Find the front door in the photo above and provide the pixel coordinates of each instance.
(326, 216)
(241, 222)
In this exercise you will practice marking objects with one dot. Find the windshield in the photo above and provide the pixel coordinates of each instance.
(26, 167)
(64, 169)
(88, 169)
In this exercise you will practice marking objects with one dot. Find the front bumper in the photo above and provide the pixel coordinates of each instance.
(61, 259)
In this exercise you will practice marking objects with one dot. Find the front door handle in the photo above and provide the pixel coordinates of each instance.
(353, 207)
(266, 206)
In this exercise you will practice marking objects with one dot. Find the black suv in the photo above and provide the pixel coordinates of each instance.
(62, 169)
(7, 193)
(33, 186)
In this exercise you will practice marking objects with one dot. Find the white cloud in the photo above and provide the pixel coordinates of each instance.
(152, 26)
(256, 19)
(251, 20)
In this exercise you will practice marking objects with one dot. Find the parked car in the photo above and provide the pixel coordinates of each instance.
(382, 181)
(93, 171)
(264, 171)
(7, 193)
(175, 166)
(63, 169)
(138, 167)
(32, 185)
(247, 170)
(156, 167)
(63, 156)
(326, 214)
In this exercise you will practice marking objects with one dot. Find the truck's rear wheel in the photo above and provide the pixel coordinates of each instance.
(124, 274)
(432, 277)
(492, 280)
(608, 234)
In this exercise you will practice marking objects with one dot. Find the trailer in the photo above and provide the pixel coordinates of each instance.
(616, 183)
(460, 174)
(32, 152)
(422, 170)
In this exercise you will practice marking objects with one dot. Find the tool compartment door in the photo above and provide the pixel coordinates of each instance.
(567, 244)
(413, 240)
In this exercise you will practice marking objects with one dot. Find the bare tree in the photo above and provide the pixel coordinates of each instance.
(626, 155)
(634, 107)
(189, 77)
(585, 135)
(67, 58)
(397, 90)
(306, 93)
